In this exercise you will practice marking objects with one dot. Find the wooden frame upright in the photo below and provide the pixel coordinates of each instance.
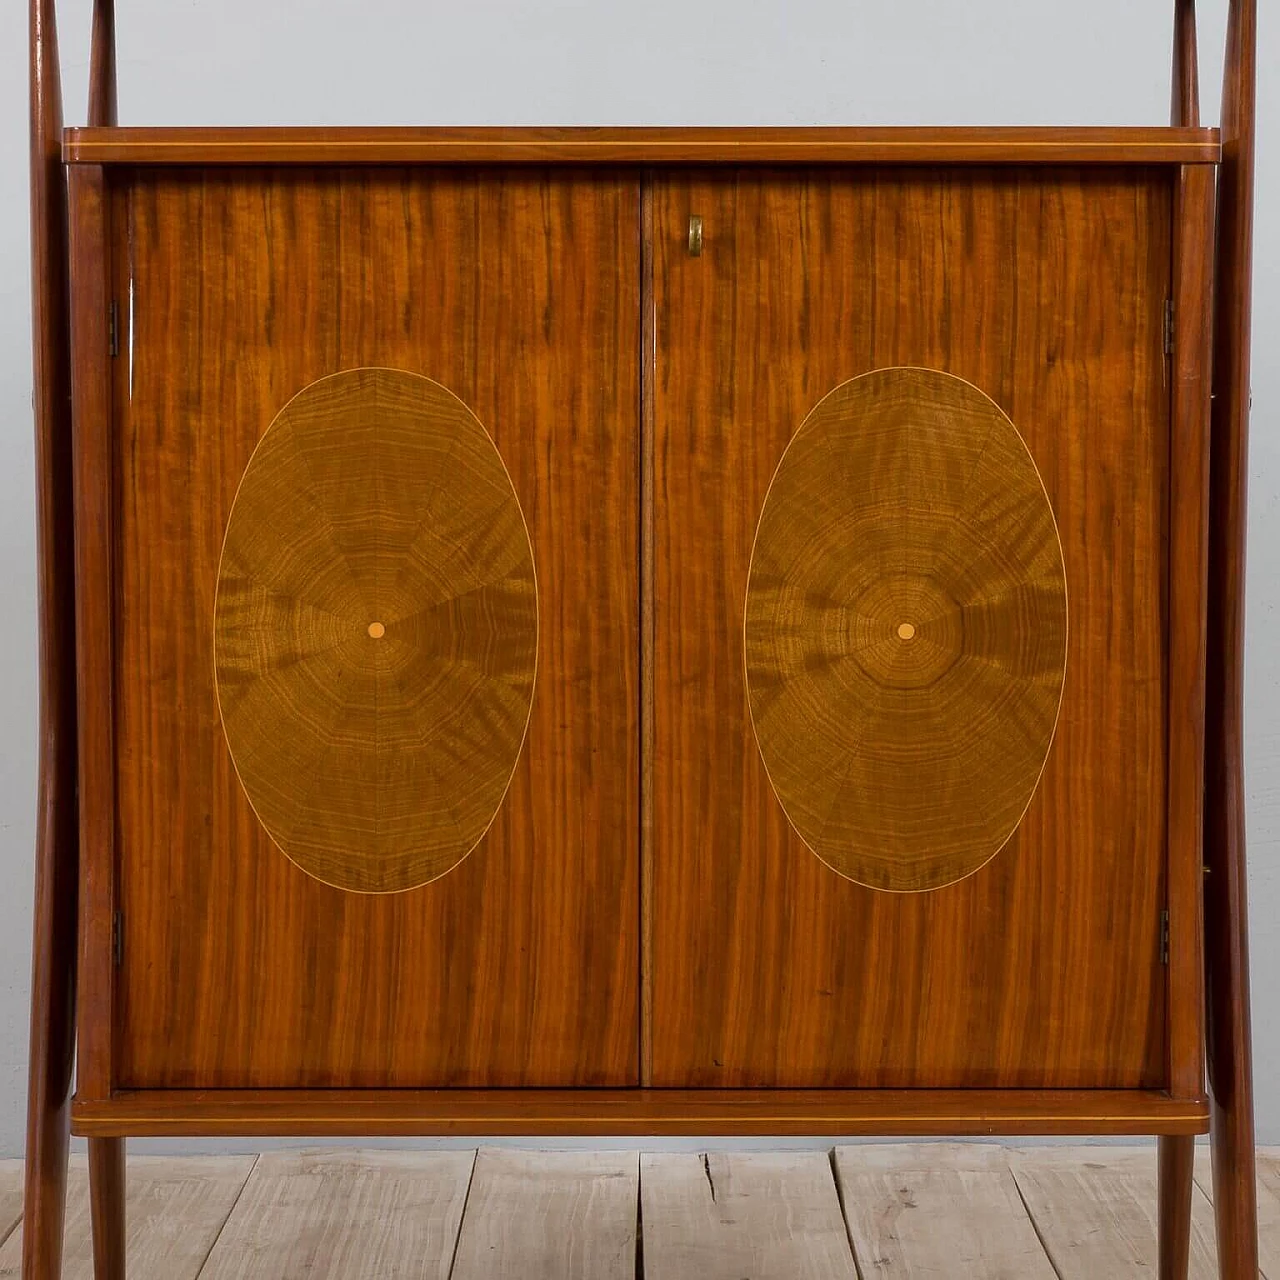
(73, 901)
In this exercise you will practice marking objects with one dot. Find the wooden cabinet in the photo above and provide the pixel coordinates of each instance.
(641, 631)
(267, 936)
(369, 453)
(975, 922)
(521, 645)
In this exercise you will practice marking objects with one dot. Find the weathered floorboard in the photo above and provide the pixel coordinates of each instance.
(725, 1215)
(1095, 1211)
(174, 1209)
(542, 1215)
(919, 1211)
(10, 1196)
(345, 1215)
(937, 1211)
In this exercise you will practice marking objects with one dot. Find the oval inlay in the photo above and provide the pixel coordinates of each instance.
(905, 629)
(376, 630)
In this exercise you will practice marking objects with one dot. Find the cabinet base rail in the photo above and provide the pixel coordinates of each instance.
(638, 1112)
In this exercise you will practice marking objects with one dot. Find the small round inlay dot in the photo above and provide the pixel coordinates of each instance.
(905, 631)
(377, 630)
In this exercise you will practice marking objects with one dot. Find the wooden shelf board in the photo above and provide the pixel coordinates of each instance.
(644, 1112)
(286, 146)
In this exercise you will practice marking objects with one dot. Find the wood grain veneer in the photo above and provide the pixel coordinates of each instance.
(1047, 290)
(645, 146)
(1188, 586)
(646, 356)
(95, 634)
(905, 629)
(376, 630)
(519, 966)
(373, 1112)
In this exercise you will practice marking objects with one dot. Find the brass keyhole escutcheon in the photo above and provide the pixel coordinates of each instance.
(695, 236)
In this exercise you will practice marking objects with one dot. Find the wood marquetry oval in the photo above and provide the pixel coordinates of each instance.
(376, 630)
(905, 629)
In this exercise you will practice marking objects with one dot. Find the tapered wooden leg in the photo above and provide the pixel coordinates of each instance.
(1235, 1205)
(45, 1191)
(1235, 1196)
(53, 968)
(106, 1201)
(1177, 1158)
(52, 1044)
(1226, 915)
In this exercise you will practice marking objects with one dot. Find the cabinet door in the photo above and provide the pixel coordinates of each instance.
(911, 441)
(376, 618)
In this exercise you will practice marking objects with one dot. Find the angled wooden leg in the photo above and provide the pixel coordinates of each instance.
(1226, 916)
(53, 991)
(1235, 1203)
(106, 1202)
(1235, 1206)
(53, 967)
(1177, 1157)
(48, 1133)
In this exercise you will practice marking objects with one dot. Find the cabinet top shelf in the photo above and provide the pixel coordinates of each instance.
(814, 146)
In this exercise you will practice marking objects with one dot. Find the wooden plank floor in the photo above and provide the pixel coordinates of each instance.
(869, 1212)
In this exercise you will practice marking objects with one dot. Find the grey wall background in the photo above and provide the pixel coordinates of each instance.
(801, 62)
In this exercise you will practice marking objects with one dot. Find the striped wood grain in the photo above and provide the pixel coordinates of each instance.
(993, 983)
(515, 969)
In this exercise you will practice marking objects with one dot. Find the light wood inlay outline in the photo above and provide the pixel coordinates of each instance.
(376, 630)
(905, 629)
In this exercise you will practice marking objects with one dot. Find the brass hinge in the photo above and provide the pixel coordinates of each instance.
(1164, 937)
(1168, 326)
(117, 938)
(113, 329)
